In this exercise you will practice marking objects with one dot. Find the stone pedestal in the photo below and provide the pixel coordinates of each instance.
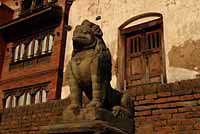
(91, 121)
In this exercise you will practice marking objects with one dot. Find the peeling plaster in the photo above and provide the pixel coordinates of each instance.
(186, 55)
(180, 73)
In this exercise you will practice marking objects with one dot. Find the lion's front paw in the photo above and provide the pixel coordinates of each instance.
(116, 111)
(71, 112)
(121, 112)
(95, 104)
(74, 108)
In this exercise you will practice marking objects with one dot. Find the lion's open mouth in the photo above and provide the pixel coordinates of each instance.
(79, 38)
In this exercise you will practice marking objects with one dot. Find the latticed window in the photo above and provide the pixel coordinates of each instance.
(39, 3)
(26, 5)
(25, 96)
(41, 96)
(29, 5)
(32, 47)
(16, 53)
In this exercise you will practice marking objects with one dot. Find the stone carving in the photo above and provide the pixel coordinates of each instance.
(89, 71)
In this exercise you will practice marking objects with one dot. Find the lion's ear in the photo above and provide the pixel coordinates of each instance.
(97, 31)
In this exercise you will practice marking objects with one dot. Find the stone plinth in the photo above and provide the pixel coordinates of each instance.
(90, 121)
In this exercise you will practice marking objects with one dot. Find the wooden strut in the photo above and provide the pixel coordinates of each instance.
(68, 4)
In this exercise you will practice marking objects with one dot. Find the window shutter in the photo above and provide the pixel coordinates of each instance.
(28, 99)
(36, 46)
(44, 43)
(16, 54)
(30, 49)
(51, 38)
(8, 102)
(22, 50)
(21, 100)
(14, 99)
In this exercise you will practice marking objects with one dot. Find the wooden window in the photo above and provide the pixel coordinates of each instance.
(41, 96)
(26, 96)
(26, 5)
(21, 100)
(22, 50)
(50, 1)
(153, 39)
(51, 38)
(144, 58)
(44, 96)
(44, 45)
(135, 45)
(36, 47)
(16, 53)
(8, 102)
(30, 51)
(40, 42)
(39, 3)
(33, 48)
(14, 101)
(37, 97)
(28, 99)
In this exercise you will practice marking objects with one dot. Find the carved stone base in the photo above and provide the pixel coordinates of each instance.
(85, 127)
(91, 121)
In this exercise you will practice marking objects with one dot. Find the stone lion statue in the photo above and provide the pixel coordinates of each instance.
(89, 70)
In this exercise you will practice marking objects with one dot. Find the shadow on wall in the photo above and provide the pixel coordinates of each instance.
(186, 55)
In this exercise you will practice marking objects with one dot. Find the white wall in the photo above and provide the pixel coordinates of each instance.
(180, 18)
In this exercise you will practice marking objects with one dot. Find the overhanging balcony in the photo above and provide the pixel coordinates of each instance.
(30, 6)
(32, 21)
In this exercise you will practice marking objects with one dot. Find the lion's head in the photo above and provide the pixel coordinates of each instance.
(87, 36)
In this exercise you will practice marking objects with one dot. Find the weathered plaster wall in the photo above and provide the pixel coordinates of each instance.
(181, 29)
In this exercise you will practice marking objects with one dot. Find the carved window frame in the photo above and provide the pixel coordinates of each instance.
(34, 5)
(24, 92)
(37, 43)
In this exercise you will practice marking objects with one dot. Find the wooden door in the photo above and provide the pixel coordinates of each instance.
(153, 56)
(135, 69)
(143, 57)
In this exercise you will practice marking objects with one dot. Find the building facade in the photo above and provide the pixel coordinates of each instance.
(143, 42)
(32, 47)
(155, 57)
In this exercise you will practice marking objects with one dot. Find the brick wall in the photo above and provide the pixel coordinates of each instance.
(28, 119)
(168, 109)
(159, 109)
